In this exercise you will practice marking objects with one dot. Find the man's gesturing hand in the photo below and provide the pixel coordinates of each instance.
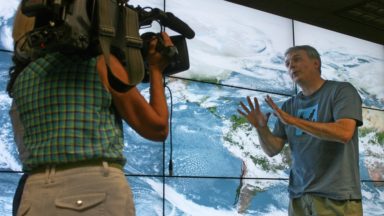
(253, 114)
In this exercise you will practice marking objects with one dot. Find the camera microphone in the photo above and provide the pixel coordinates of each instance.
(178, 25)
(168, 20)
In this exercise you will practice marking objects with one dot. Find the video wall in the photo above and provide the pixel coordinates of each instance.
(218, 165)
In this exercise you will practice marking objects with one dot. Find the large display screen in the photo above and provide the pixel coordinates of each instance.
(219, 167)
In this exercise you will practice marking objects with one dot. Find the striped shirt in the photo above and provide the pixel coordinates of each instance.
(67, 113)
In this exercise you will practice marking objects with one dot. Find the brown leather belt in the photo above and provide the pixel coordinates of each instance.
(71, 165)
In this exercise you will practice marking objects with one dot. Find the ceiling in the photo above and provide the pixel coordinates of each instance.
(363, 19)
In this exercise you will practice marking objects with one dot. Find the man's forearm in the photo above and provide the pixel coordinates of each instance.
(270, 144)
(157, 95)
(340, 131)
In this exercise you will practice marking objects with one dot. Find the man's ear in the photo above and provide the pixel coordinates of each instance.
(317, 64)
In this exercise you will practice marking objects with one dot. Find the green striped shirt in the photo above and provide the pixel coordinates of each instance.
(67, 113)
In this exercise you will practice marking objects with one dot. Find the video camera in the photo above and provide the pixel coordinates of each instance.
(74, 25)
(179, 52)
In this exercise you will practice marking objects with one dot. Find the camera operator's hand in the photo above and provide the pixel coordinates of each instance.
(157, 61)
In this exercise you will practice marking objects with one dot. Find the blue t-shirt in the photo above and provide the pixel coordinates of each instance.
(324, 168)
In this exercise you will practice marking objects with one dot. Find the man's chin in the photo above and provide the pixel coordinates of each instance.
(295, 79)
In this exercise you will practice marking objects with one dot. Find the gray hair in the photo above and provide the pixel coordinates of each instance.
(311, 52)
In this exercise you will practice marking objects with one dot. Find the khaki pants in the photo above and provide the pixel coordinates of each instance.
(310, 205)
(86, 191)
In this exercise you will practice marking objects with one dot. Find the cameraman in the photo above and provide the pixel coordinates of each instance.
(71, 118)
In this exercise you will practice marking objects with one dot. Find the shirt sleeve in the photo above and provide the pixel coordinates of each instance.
(348, 104)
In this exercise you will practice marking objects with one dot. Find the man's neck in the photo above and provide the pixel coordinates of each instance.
(312, 86)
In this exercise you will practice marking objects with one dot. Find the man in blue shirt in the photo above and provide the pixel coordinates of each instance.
(320, 125)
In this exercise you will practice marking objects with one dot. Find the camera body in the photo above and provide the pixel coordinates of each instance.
(74, 26)
(60, 25)
(177, 54)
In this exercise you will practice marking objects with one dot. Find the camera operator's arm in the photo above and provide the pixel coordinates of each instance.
(150, 120)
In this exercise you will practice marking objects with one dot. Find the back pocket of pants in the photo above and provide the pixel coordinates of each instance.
(90, 202)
